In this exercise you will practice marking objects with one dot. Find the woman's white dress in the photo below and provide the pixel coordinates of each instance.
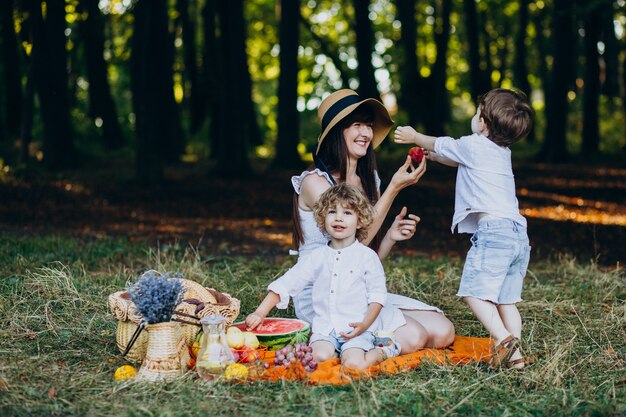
(390, 315)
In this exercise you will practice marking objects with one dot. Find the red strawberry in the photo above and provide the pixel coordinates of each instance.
(417, 154)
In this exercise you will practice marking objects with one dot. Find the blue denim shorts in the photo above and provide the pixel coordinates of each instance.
(364, 341)
(496, 263)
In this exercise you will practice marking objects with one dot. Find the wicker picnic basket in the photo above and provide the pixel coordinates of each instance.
(215, 302)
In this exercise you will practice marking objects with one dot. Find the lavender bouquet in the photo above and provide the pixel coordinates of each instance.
(157, 295)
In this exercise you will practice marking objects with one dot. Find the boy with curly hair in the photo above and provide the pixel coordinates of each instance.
(349, 287)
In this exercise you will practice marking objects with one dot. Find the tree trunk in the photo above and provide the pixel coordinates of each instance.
(440, 95)
(101, 102)
(151, 87)
(193, 90)
(520, 70)
(477, 76)
(12, 88)
(554, 147)
(233, 149)
(409, 71)
(212, 74)
(611, 84)
(50, 70)
(591, 91)
(364, 46)
(288, 117)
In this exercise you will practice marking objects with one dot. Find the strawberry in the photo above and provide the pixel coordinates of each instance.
(417, 154)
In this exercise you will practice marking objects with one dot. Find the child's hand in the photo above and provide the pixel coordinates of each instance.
(403, 228)
(405, 135)
(254, 320)
(359, 328)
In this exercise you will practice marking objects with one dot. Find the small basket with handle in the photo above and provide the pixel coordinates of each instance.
(198, 302)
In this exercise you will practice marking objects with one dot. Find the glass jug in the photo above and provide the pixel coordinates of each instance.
(214, 355)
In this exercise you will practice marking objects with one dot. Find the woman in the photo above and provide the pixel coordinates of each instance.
(351, 128)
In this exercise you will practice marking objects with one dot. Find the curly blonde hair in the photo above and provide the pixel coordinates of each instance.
(349, 197)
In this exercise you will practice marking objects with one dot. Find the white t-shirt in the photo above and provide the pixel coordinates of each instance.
(484, 180)
(345, 282)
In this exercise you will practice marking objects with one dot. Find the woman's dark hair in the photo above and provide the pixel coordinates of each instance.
(334, 155)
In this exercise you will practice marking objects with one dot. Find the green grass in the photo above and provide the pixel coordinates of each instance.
(58, 353)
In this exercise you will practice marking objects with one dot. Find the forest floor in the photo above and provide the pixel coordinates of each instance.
(572, 210)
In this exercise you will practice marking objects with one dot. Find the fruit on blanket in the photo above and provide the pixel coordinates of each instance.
(124, 372)
(248, 355)
(250, 340)
(291, 354)
(235, 337)
(276, 333)
(236, 371)
(194, 349)
(417, 154)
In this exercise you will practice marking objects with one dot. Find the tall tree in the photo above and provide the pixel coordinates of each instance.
(50, 72)
(520, 68)
(591, 91)
(151, 88)
(288, 117)
(554, 145)
(409, 71)
(439, 73)
(101, 104)
(194, 93)
(478, 84)
(11, 64)
(233, 149)
(212, 74)
(364, 48)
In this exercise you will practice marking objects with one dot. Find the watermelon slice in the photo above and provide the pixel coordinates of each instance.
(276, 333)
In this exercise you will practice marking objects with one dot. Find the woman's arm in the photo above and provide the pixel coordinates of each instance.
(405, 176)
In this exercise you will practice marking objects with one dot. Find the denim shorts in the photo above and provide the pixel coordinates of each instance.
(496, 263)
(364, 341)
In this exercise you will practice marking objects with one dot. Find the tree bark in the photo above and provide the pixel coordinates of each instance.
(520, 69)
(364, 47)
(288, 117)
(233, 149)
(50, 71)
(193, 90)
(212, 74)
(477, 77)
(439, 75)
(12, 88)
(101, 102)
(591, 90)
(554, 147)
(409, 71)
(151, 88)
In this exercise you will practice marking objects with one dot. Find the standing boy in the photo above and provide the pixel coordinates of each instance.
(486, 205)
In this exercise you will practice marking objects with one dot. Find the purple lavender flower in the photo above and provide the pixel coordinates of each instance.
(156, 296)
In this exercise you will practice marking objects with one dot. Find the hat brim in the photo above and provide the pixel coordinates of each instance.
(382, 121)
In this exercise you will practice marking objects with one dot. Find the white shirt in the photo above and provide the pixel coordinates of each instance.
(484, 180)
(345, 282)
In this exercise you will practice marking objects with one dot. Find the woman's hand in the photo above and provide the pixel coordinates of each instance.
(407, 175)
(403, 228)
(254, 320)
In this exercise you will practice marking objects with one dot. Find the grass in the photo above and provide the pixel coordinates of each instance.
(58, 353)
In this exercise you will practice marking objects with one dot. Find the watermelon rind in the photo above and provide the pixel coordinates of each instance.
(280, 340)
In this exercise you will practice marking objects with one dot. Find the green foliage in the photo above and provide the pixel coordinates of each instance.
(59, 353)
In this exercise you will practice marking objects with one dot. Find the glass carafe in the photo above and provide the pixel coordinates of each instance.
(214, 355)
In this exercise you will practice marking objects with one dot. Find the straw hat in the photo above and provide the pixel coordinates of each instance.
(341, 103)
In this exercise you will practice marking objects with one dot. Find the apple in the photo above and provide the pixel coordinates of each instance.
(250, 340)
(248, 355)
(417, 154)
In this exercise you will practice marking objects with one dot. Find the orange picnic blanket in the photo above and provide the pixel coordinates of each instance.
(464, 350)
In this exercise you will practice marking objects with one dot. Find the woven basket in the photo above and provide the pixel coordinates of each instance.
(123, 309)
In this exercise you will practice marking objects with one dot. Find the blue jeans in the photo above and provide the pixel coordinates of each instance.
(496, 263)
